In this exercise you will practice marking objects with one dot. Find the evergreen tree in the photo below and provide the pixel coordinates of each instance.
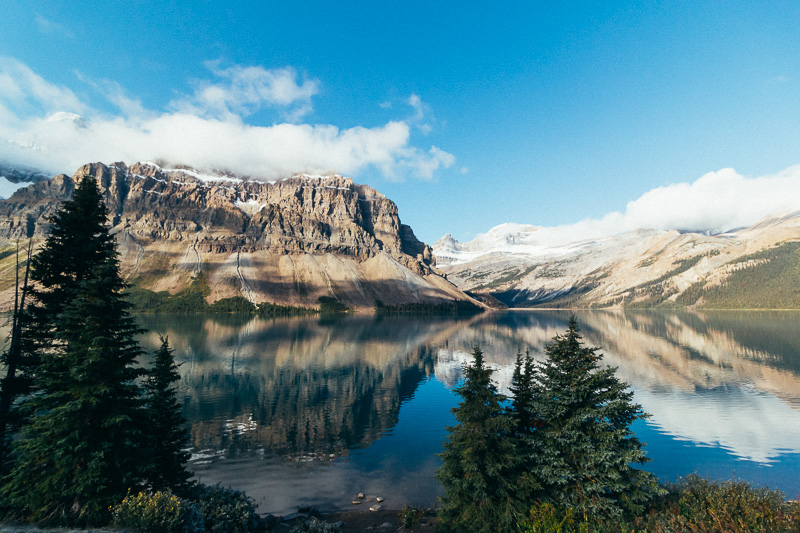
(479, 458)
(586, 446)
(523, 410)
(167, 435)
(83, 446)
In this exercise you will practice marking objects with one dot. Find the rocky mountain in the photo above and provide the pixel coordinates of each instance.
(289, 242)
(528, 266)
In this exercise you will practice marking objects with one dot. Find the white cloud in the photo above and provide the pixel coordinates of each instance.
(716, 202)
(244, 90)
(49, 27)
(416, 102)
(116, 94)
(421, 111)
(25, 93)
(206, 130)
(437, 158)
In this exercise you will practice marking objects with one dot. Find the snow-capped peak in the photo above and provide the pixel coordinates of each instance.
(513, 239)
(66, 117)
(203, 176)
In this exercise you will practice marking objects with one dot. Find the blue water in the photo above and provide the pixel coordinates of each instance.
(311, 412)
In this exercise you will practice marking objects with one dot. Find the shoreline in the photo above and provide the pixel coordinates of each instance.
(357, 521)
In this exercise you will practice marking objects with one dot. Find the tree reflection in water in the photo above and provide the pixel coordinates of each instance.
(724, 389)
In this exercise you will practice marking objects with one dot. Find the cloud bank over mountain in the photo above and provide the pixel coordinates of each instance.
(48, 126)
(716, 202)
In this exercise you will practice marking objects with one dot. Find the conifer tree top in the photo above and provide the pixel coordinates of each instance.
(78, 240)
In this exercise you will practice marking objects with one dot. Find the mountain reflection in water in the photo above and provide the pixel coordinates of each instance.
(310, 411)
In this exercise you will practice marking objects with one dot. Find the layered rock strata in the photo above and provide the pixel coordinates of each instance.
(289, 242)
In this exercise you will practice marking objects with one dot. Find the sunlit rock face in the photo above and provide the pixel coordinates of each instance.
(288, 242)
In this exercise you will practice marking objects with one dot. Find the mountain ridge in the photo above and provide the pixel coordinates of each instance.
(642, 268)
(288, 242)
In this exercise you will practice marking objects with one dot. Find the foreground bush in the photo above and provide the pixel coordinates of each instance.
(160, 512)
(692, 505)
(315, 525)
(226, 510)
(410, 516)
(214, 509)
(698, 504)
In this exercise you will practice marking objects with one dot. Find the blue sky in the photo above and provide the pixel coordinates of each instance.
(466, 114)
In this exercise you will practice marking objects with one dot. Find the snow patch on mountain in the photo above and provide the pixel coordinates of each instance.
(522, 240)
(210, 177)
(68, 118)
(251, 206)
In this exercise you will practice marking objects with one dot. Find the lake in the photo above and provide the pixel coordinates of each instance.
(312, 411)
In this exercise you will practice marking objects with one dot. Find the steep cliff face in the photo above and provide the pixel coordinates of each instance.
(290, 241)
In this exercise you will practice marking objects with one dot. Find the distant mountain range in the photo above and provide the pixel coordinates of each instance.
(308, 239)
(528, 266)
(297, 241)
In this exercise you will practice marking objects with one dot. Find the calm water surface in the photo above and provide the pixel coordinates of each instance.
(312, 411)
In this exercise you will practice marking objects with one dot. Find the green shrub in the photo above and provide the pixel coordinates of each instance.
(693, 505)
(698, 504)
(410, 516)
(236, 304)
(331, 305)
(315, 525)
(453, 308)
(266, 309)
(547, 518)
(226, 510)
(160, 512)
(215, 509)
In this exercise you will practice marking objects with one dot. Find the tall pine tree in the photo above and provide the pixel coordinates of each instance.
(479, 458)
(586, 447)
(167, 434)
(524, 411)
(83, 446)
(523, 408)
